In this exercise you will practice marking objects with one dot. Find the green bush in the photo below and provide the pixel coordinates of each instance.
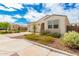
(39, 38)
(3, 32)
(71, 39)
(17, 31)
(9, 31)
(46, 39)
(45, 33)
(32, 37)
(55, 35)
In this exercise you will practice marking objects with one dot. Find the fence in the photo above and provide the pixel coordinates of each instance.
(73, 28)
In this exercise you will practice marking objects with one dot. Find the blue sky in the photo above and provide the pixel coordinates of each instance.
(23, 13)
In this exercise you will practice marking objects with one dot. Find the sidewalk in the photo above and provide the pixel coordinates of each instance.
(22, 47)
(16, 34)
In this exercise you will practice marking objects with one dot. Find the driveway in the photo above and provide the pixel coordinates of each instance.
(16, 34)
(10, 46)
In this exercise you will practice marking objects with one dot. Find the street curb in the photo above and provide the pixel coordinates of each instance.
(52, 49)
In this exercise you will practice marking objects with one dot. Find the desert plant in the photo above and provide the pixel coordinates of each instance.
(9, 31)
(56, 35)
(48, 33)
(45, 33)
(17, 31)
(46, 39)
(71, 39)
(4, 32)
(41, 39)
(32, 37)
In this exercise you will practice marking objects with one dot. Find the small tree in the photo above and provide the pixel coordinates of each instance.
(4, 25)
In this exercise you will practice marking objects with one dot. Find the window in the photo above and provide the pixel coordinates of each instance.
(49, 24)
(56, 24)
(53, 24)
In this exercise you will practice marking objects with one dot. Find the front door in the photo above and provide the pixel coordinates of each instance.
(42, 27)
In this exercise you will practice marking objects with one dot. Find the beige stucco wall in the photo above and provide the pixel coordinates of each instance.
(62, 24)
(30, 27)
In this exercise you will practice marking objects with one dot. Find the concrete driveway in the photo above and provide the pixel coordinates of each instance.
(21, 47)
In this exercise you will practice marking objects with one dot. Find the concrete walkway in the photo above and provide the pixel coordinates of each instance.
(20, 47)
(16, 34)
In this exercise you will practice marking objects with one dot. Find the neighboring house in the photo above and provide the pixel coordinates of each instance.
(53, 23)
(14, 26)
(75, 24)
(73, 27)
(18, 27)
(23, 28)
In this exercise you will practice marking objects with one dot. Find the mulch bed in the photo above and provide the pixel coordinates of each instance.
(58, 45)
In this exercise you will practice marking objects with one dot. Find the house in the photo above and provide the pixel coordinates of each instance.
(53, 23)
(75, 24)
(73, 27)
(14, 27)
(18, 27)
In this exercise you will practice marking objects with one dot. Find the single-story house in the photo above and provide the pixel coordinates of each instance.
(14, 27)
(18, 27)
(52, 23)
(74, 24)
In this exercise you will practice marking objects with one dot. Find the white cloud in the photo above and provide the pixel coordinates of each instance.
(11, 3)
(55, 9)
(17, 16)
(52, 7)
(15, 3)
(72, 14)
(10, 9)
(34, 15)
(6, 19)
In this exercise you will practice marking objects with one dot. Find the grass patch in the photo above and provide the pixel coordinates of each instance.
(9, 31)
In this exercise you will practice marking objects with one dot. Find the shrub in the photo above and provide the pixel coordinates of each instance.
(45, 33)
(9, 31)
(32, 37)
(46, 39)
(17, 31)
(39, 38)
(3, 32)
(71, 39)
(56, 35)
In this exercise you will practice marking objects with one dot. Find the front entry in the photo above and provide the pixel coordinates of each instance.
(42, 27)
